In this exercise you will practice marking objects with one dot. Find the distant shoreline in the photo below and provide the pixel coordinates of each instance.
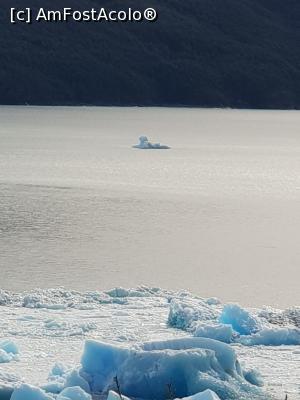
(159, 106)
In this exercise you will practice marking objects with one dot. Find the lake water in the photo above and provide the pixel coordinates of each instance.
(218, 214)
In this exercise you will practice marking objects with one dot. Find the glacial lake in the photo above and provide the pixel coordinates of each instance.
(218, 214)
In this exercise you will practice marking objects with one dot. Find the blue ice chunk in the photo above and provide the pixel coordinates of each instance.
(241, 320)
(9, 347)
(8, 351)
(190, 365)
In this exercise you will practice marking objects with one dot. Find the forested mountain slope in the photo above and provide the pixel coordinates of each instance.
(212, 53)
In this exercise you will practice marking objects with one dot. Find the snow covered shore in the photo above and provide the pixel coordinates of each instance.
(60, 340)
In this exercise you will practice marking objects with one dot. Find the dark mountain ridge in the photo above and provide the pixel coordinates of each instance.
(209, 53)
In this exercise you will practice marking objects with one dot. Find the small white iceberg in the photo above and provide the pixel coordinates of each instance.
(145, 144)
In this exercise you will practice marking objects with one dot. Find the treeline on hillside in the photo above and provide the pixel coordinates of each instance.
(210, 53)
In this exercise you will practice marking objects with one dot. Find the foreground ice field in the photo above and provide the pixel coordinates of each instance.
(44, 333)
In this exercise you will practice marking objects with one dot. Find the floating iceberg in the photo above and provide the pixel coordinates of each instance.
(190, 365)
(145, 144)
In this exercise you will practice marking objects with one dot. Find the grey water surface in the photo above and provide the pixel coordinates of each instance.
(217, 214)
